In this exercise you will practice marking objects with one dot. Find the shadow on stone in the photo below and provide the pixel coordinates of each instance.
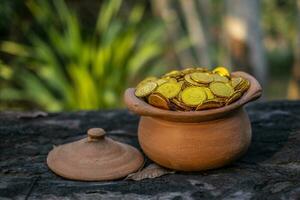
(270, 133)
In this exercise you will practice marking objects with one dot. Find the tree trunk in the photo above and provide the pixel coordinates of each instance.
(244, 37)
(196, 31)
(163, 9)
(294, 85)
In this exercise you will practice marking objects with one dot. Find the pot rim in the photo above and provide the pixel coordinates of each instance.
(142, 108)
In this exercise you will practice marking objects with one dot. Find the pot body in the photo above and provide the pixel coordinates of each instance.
(195, 146)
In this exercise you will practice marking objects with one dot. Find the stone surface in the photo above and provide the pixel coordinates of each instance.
(269, 170)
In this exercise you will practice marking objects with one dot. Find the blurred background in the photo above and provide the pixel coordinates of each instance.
(80, 55)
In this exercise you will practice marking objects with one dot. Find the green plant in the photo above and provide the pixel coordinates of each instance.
(64, 68)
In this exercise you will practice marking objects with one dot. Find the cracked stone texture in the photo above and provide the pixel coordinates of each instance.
(269, 170)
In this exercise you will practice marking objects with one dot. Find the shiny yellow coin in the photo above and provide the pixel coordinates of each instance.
(172, 74)
(244, 86)
(190, 81)
(202, 77)
(188, 70)
(202, 69)
(193, 96)
(180, 79)
(181, 83)
(150, 78)
(145, 89)
(247, 85)
(234, 97)
(172, 80)
(158, 101)
(219, 78)
(179, 96)
(221, 89)
(161, 81)
(169, 90)
(174, 107)
(210, 104)
(180, 105)
(222, 71)
(235, 81)
(209, 94)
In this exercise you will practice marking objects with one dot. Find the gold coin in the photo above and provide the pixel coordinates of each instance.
(244, 86)
(174, 107)
(169, 89)
(188, 70)
(221, 89)
(190, 81)
(202, 77)
(201, 69)
(222, 71)
(150, 78)
(161, 81)
(159, 101)
(219, 78)
(235, 81)
(172, 80)
(172, 74)
(235, 96)
(179, 96)
(208, 92)
(209, 104)
(180, 79)
(186, 84)
(247, 85)
(181, 83)
(145, 89)
(180, 105)
(193, 96)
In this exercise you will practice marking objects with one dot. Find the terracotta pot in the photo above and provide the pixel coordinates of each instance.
(195, 140)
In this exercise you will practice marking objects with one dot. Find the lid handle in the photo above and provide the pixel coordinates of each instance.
(95, 134)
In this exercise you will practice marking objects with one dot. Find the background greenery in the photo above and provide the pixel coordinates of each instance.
(72, 55)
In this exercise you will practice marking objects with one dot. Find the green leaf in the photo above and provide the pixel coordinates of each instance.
(136, 14)
(15, 49)
(108, 11)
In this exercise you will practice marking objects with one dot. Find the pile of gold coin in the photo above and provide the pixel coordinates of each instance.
(192, 89)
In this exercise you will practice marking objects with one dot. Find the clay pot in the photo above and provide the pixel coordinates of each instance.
(195, 140)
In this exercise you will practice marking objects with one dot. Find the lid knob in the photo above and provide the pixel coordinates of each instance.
(95, 134)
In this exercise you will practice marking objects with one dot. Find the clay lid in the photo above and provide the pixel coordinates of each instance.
(94, 158)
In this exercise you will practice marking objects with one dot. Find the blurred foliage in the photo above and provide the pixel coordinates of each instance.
(280, 29)
(57, 56)
(63, 68)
